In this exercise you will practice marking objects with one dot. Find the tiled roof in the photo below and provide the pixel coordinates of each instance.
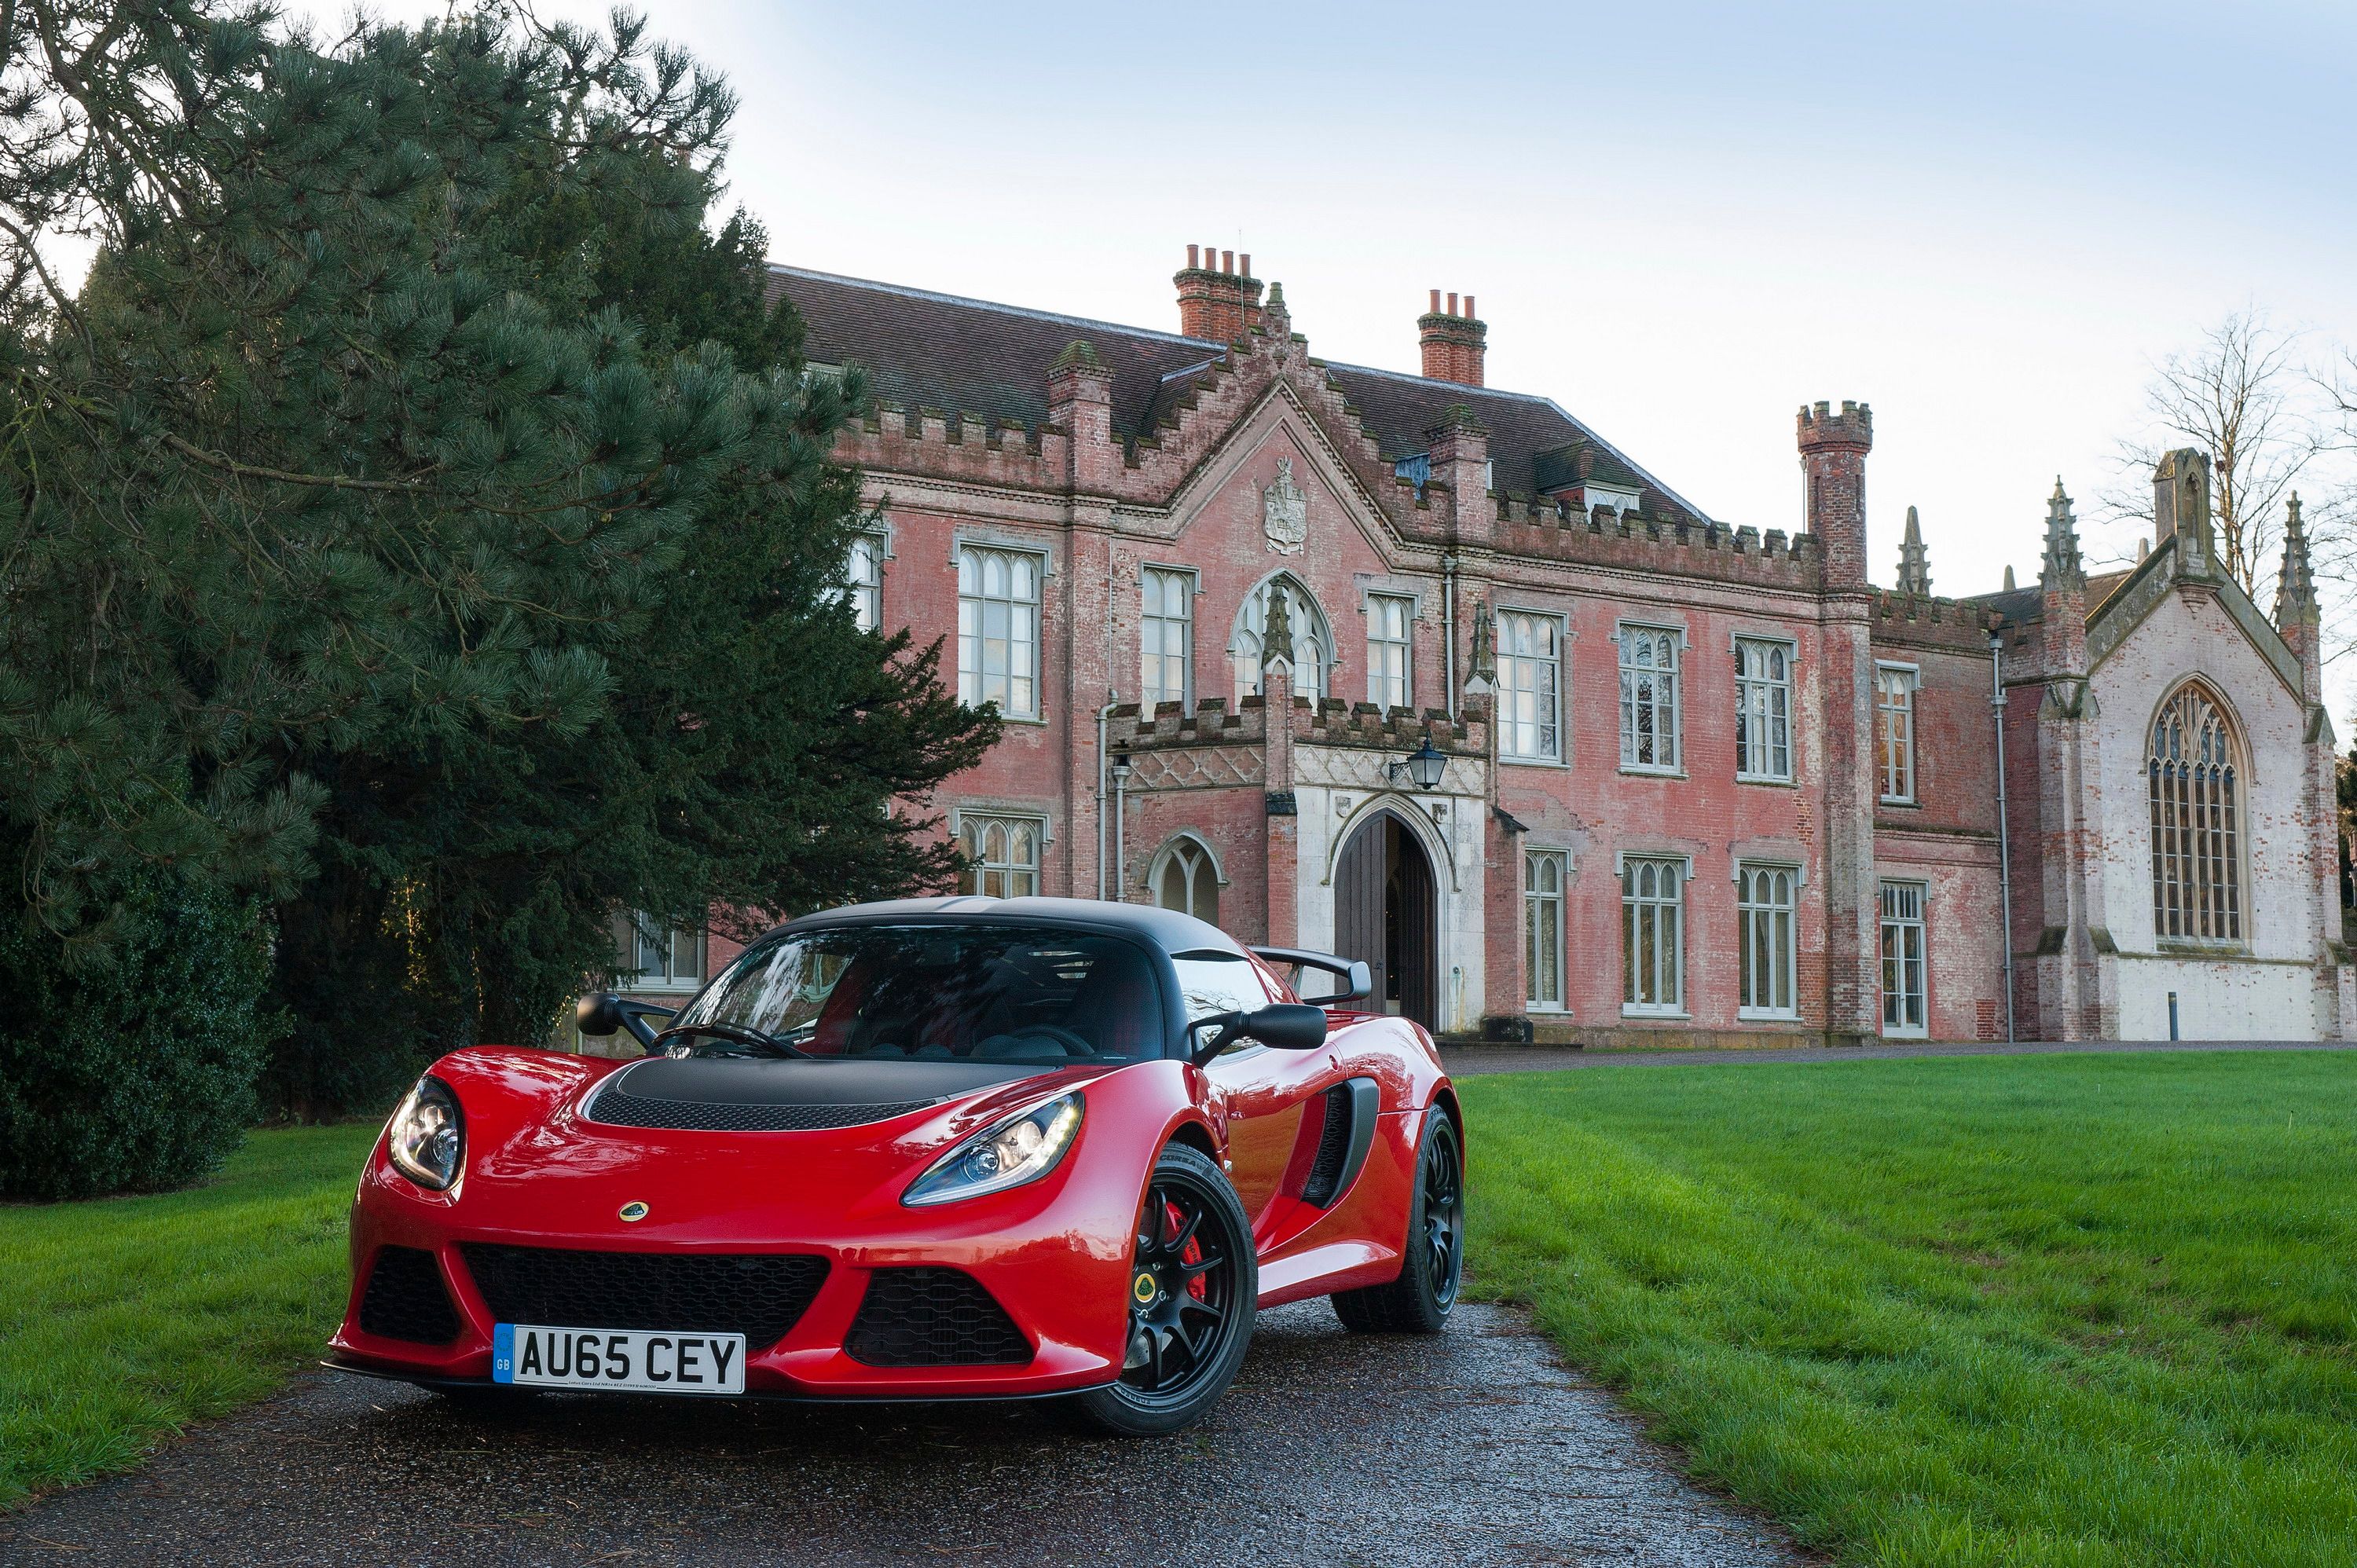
(922, 350)
(2018, 605)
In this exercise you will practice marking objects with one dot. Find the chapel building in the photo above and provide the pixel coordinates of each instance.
(1432, 674)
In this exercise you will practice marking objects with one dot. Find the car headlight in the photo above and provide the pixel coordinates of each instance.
(1022, 1148)
(427, 1137)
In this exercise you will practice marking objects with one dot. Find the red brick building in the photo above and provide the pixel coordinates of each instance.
(1683, 781)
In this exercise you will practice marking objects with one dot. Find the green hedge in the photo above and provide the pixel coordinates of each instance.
(132, 1069)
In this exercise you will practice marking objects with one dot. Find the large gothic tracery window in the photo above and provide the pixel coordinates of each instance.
(2195, 777)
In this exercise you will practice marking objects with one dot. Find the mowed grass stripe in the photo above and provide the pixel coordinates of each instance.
(2069, 1310)
(123, 1319)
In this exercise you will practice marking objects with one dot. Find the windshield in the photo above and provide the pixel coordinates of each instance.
(967, 993)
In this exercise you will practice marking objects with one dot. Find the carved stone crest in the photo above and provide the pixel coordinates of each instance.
(1285, 511)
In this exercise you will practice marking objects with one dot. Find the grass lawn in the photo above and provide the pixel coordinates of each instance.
(124, 1319)
(2031, 1310)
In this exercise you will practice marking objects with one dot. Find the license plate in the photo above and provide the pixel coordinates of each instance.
(617, 1359)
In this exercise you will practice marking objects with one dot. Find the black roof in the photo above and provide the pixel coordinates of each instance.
(922, 350)
(1166, 929)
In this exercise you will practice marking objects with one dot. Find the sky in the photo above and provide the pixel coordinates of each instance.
(1681, 219)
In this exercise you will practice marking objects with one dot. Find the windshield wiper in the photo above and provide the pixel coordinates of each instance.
(742, 1033)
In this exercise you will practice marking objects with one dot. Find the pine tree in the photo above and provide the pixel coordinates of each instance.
(419, 513)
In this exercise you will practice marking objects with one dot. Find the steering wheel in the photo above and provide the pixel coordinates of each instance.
(758, 1039)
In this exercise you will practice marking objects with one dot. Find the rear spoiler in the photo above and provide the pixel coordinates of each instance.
(1357, 979)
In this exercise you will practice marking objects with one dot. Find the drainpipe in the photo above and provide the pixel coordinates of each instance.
(1111, 701)
(2004, 840)
(1449, 632)
(1120, 837)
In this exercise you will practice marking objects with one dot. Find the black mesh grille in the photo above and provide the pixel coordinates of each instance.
(933, 1318)
(404, 1299)
(1333, 1149)
(757, 1295)
(617, 1108)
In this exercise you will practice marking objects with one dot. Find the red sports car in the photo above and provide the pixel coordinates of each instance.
(933, 1149)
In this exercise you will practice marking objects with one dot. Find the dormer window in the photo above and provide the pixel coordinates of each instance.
(1589, 496)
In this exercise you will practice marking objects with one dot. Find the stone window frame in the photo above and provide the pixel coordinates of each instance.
(1790, 684)
(1178, 843)
(2233, 821)
(1414, 601)
(1498, 725)
(1322, 623)
(1884, 921)
(863, 595)
(635, 929)
(1194, 593)
(1909, 753)
(1623, 708)
(964, 539)
(1677, 1008)
(960, 816)
(1744, 868)
(1559, 898)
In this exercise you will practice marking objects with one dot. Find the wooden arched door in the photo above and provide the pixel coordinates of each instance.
(1386, 912)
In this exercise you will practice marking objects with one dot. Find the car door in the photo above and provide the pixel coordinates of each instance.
(1261, 1090)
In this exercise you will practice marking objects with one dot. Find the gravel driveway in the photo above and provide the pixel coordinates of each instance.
(1476, 1447)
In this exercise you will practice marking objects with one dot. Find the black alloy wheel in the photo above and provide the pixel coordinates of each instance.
(1193, 1290)
(1432, 1262)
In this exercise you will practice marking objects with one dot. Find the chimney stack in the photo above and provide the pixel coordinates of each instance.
(1454, 343)
(1218, 299)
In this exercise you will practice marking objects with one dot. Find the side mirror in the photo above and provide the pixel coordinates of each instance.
(1281, 1026)
(601, 1013)
(1286, 1027)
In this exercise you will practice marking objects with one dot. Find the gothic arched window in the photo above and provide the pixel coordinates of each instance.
(1313, 643)
(1187, 881)
(2196, 778)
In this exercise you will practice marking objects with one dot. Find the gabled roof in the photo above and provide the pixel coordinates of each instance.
(2018, 606)
(923, 350)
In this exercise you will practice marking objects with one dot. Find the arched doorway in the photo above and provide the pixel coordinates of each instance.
(1385, 911)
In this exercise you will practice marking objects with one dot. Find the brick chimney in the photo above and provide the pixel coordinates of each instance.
(1833, 454)
(1454, 343)
(1218, 298)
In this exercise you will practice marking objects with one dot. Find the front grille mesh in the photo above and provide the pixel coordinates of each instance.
(757, 1295)
(933, 1318)
(619, 1108)
(404, 1299)
(1333, 1149)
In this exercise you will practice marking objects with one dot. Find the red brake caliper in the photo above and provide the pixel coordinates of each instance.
(1194, 1251)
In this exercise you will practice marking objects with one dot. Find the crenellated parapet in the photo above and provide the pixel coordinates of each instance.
(1243, 730)
(1924, 620)
(1549, 530)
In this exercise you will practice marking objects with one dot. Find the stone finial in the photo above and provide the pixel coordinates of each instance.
(1276, 631)
(1079, 354)
(2296, 588)
(1481, 675)
(2143, 548)
(2181, 508)
(1276, 319)
(2063, 568)
(1914, 569)
(2008, 579)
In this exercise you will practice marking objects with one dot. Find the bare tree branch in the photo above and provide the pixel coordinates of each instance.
(2243, 397)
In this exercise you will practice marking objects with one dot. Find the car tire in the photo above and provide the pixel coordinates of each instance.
(1184, 1344)
(1432, 1266)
